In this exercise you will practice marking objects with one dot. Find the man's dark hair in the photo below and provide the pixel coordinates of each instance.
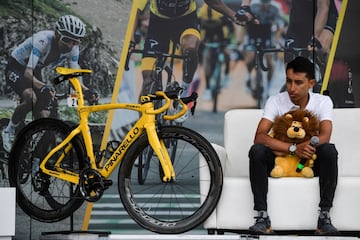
(302, 65)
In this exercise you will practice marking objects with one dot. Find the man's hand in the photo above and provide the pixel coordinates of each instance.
(46, 92)
(305, 150)
(244, 16)
(321, 53)
(314, 43)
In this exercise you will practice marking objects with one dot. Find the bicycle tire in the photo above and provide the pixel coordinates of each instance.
(216, 89)
(4, 157)
(185, 202)
(259, 88)
(42, 197)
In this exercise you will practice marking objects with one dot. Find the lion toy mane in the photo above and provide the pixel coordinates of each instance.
(294, 127)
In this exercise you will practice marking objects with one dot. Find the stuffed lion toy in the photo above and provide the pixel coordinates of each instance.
(294, 127)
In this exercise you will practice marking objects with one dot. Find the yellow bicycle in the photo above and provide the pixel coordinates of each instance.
(54, 168)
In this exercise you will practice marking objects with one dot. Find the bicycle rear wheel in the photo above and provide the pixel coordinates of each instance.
(42, 197)
(4, 157)
(259, 89)
(182, 204)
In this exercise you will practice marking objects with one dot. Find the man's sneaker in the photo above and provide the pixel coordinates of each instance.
(262, 224)
(8, 139)
(324, 226)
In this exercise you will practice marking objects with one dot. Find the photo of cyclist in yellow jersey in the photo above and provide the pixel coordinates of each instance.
(215, 28)
(176, 22)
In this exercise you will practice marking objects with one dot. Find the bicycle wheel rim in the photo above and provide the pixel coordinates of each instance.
(181, 205)
(43, 197)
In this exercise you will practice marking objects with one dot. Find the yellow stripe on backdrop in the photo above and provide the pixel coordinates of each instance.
(334, 46)
(124, 51)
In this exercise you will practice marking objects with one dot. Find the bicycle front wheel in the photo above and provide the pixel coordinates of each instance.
(42, 197)
(181, 204)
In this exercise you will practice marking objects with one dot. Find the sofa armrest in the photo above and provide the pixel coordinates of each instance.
(221, 152)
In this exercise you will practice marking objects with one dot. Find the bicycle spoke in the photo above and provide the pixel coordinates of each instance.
(178, 205)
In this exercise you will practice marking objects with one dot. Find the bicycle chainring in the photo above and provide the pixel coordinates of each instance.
(92, 185)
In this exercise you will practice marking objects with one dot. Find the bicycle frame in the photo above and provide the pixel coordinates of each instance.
(146, 123)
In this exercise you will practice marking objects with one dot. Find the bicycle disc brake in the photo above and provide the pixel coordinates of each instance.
(92, 185)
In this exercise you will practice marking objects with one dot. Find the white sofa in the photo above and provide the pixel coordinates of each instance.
(292, 202)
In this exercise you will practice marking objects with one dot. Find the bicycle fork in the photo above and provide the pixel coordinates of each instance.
(160, 149)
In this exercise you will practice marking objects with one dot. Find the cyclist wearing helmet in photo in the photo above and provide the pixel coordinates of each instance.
(176, 22)
(266, 34)
(215, 28)
(23, 71)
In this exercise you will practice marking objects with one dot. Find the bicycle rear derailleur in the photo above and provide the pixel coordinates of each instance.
(92, 184)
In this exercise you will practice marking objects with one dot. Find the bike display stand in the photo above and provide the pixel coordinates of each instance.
(73, 234)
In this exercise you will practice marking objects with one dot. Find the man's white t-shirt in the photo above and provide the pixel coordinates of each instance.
(320, 105)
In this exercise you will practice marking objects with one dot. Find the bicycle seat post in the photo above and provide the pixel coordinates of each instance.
(75, 82)
(83, 113)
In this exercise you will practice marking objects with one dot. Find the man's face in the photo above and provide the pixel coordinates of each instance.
(298, 85)
(66, 43)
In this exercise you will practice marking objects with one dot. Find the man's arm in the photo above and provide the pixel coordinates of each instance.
(221, 7)
(262, 137)
(304, 150)
(29, 75)
(321, 16)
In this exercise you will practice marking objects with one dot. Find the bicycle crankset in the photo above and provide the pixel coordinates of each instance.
(92, 185)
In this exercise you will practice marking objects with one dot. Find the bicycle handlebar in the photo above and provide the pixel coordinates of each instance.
(262, 51)
(168, 96)
(157, 54)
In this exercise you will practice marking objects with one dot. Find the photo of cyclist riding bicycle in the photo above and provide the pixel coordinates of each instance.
(36, 37)
(29, 53)
(285, 32)
(251, 58)
(231, 62)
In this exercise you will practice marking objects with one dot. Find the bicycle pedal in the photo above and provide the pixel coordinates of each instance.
(107, 183)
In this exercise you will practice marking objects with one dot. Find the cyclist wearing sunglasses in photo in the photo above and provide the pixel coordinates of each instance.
(23, 71)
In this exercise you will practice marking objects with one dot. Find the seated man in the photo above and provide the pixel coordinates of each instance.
(299, 80)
